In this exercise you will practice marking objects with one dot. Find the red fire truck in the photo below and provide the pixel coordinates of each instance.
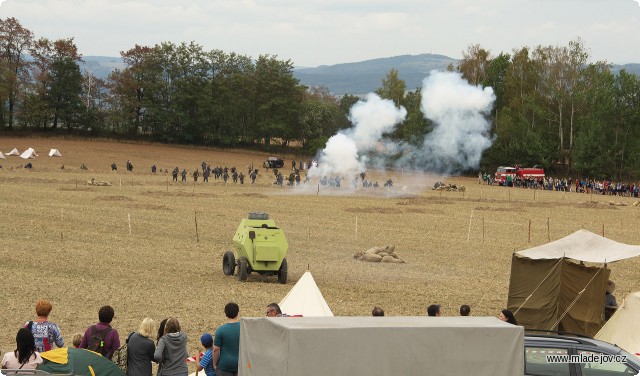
(518, 174)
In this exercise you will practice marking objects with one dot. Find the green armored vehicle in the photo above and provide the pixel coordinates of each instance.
(260, 246)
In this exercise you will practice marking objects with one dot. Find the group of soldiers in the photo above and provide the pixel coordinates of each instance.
(218, 172)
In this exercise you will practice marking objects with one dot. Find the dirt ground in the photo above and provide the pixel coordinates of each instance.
(134, 245)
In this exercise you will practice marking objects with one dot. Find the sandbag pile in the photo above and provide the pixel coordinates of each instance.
(379, 254)
(440, 186)
(98, 183)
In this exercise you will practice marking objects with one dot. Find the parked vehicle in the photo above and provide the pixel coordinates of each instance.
(509, 176)
(573, 355)
(273, 162)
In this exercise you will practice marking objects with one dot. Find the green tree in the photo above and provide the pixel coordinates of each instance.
(393, 88)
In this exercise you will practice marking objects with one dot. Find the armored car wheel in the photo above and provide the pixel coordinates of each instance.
(228, 263)
(282, 273)
(242, 269)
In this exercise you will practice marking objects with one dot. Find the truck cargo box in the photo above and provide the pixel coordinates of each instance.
(294, 346)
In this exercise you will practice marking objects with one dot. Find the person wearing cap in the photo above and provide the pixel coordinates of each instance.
(206, 362)
(610, 303)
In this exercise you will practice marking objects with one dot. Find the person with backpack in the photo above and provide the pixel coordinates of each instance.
(25, 355)
(140, 349)
(46, 334)
(101, 337)
(171, 353)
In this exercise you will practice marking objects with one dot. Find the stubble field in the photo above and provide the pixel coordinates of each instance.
(72, 244)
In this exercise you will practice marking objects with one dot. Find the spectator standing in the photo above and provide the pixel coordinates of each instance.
(46, 333)
(433, 310)
(226, 343)
(102, 330)
(507, 316)
(206, 363)
(25, 355)
(171, 353)
(377, 311)
(465, 310)
(141, 349)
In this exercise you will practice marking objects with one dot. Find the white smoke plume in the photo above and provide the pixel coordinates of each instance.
(456, 109)
(344, 153)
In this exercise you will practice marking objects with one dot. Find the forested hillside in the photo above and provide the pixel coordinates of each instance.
(555, 107)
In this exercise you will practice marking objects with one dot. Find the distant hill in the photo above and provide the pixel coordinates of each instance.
(366, 76)
(348, 78)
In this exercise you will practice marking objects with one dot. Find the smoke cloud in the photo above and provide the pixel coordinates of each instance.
(457, 111)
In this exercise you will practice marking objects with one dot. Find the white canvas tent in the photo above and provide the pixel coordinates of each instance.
(55, 153)
(13, 152)
(310, 346)
(2, 156)
(29, 153)
(623, 328)
(585, 246)
(305, 299)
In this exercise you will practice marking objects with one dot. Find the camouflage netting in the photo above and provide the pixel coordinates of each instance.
(379, 254)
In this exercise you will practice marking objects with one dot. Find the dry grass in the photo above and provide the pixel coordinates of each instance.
(71, 244)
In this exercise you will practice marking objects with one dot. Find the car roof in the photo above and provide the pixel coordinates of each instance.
(558, 339)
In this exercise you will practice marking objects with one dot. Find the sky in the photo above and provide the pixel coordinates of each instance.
(325, 32)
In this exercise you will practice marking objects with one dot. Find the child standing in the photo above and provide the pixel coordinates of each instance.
(206, 362)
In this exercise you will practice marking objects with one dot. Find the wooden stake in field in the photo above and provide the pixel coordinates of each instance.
(62, 224)
(469, 231)
(129, 220)
(603, 230)
(309, 227)
(195, 217)
(120, 183)
(356, 227)
(529, 239)
(548, 233)
(167, 184)
(483, 229)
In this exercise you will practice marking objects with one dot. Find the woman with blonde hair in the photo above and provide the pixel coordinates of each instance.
(140, 349)
(171, 353)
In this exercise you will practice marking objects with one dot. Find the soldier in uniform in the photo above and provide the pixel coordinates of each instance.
(253, 175)
(225, 175)
(174, 173)
(196, 173)
(184, 174)
(234, 175)
(205, 175)
(241, 176)
(114, 167)
(153, 169)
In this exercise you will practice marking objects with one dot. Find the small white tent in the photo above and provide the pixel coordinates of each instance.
(13, 152)
(55, 153)
(29, 153)
(305, 299)
(623, 328)
(2, 156)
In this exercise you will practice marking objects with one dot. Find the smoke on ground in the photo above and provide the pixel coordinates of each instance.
(457, 111)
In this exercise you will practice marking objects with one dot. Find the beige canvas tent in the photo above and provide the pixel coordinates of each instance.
(305, 299)
(623, 328)
(2, 156)
(551, 288)
(423, 345)
(29, 153)
(54, 153)
(13, 152)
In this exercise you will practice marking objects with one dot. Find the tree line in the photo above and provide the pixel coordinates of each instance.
(554, 108)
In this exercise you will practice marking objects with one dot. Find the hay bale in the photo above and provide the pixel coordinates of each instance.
(372, 257)
(388, 259)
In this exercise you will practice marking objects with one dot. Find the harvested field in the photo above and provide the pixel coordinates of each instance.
(70, 243)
